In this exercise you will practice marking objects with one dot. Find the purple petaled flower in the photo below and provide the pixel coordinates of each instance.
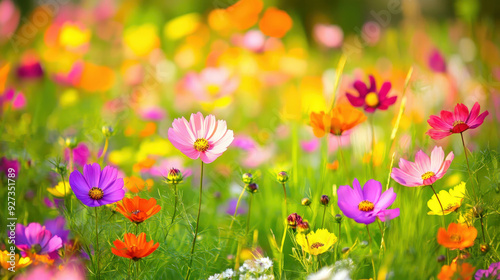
(37, 238)
(95, 187)
(6, 164)
(56, 227)
(493, 272)
(436, 62)
(369, 98)
(365, 205)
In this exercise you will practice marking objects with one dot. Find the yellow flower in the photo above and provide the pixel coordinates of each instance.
(74, 35)
(19, 261)
(60, 190)
(316, 243)
(141, 40)
(451, 200)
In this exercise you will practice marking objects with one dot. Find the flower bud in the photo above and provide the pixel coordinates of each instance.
(345, 250)
(247, 178)
(441, 258)
(338, 218)
(60, 169)
(293, 220)
(303, 227)
(325, 199)
(477, 211)
(174, 176)
(305, 201)
(484, 248)
(107, 131)
(282, 177)
(252, 188)
(70, 142)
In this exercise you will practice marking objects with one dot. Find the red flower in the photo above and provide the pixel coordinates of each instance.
(455, 122)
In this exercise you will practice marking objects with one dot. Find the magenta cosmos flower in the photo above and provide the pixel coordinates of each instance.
(455, 122)
(205, 138)
(493, 272)
(95, 187)
(365, 205)
(37, 239)
(424, 171)
(370, 98)
(211, 84)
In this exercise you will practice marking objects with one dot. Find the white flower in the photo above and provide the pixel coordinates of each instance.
(324, 273)
(215, 277)
(342, 274)
(227, 274)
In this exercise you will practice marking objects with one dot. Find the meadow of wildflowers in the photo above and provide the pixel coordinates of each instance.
(250, 139)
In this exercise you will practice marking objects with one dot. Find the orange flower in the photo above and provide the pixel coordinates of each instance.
(343, 117)
(275, 23)
(136, 184)
(20, 262)
(4, 72)
(458, 236)
(96, 78)
(138, 209)
(244, 13)
(333, 166)
(144, 164)
(450, 272)
(134, 248)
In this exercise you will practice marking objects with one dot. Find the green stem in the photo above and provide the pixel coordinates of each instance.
(286, 206)
(96, 253)
(468, 166)
(237, 206)
(324, 214)
(197, 223)
(137, 270)
(442, 209)
(175, 211)
(482, 228)
(373, 262)
(249, 212)
(128, 271)
(373, 146)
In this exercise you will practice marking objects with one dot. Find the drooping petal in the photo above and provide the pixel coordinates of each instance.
(108, 175)
(479, 120)
(361, 88)
(386, 200)
(438, 134)
(438, 123)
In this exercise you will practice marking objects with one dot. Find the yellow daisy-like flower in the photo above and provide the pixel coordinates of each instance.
(19, 261)
(316, 243)
(60, 190)
(451, 200)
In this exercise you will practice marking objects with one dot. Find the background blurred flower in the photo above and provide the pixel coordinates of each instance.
(275, 23)
(462, 271)
(424, 171)
(9, 19)
(211, 83)
(142, 39)
(57, 227)
(369, 98)
(81, 154)
(60, 190)
(367, 204)
(37, 238)
(437, 62)
(342, 118)
(19, 262)
(244, 13)
(493, 272)
(135, 184)
(330, 36)
(74, 36)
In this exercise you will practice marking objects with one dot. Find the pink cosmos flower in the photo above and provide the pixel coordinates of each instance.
(35, 237)
(205, 138)
(457, 122)
(370, 98)
(211, 84)
(72, 78)
(424, 171)
(330, 36)
(436, 62)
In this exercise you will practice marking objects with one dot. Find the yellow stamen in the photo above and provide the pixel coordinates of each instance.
(213, 89)
(96, 193)
(201, 145)
(371, 99)
(455, 238)
(428, 175)
(457, 122)
(317, 245)
(366, 206)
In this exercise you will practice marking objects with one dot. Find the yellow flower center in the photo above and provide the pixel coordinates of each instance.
(201, 145)
(457, 122)
(96, 193)
(213, 89)
(317, 245)
(366, 206)
(455, 238)
(371, 99)
(427, 175)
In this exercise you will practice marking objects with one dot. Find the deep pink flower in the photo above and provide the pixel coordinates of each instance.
(72, 78)
(370, 98)
(424, 171)
(436, 62)
(205, 138)
(81, 154)
(95, 187)
(455, 122)
(37, 238)
(211, 84)
(365, 205)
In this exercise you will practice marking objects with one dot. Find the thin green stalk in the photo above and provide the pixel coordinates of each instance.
(237, 206)
(137, 270)
(104, 150)
(128, 271)
(324, 214)
(286, 206)
(468, 166)
(96, 253)
(197, 224)
(175, 211)
(373, 262)
(249, 213)
(442, 209)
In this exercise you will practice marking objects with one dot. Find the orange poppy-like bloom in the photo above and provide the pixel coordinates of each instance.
(134, 247)
(244, 13)
(275, 23)
(458, 236)
(138, 209)
(455, 271)
(343, 117)
(135, 184)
